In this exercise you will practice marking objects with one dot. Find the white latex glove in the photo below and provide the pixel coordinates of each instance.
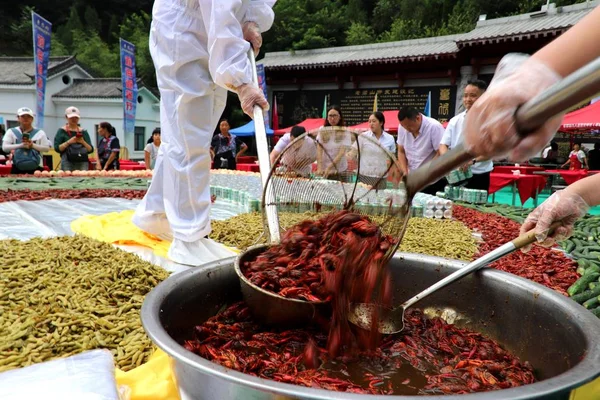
(490, 123)
(252, 34)
(563, 206)
(249, 97)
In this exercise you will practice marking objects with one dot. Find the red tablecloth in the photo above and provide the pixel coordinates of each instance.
(248, 167)
(246, 159)
(508, 169)
(131, 167)
(527, 185)
(572, 176)
(5, 169)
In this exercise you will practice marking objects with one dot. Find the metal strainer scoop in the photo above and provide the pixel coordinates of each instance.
(322, 171)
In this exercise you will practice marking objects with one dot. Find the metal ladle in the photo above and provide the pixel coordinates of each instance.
(392, 320)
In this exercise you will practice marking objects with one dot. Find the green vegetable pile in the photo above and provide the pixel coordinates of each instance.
(584, 246)
(66, 295)
(442, 238)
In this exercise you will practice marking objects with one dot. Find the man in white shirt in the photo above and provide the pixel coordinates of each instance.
(301, 155)
(418, 140)
(26, 143)
(283, 142)
(454, 135)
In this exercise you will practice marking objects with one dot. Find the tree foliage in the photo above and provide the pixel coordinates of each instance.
(90, 29)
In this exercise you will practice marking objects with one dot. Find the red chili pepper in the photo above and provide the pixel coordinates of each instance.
(14, 195)
(534, 265)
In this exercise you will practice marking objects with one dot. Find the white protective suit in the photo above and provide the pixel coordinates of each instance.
(198, 51)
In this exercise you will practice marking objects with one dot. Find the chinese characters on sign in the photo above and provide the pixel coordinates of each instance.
(130, 89)
(42, 32)
(262, 83)
(358, 104)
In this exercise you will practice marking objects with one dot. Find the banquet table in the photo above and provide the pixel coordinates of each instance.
(528, 186)
(131, 167)
(570, 176)
(525, 169)
(248, 167)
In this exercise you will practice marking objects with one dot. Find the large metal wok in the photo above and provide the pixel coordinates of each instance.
(556, 335)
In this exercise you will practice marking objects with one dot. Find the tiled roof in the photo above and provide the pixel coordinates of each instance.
(555, 20)
(107, 88)
(21, 70)
(98, 87)
(413, 50)
(525, 25)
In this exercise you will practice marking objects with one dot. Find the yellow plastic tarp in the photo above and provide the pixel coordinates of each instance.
(117, 228)
(590, 391)
(151, 381)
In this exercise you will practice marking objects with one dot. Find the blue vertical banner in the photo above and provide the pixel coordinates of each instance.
(42, 32)
(262, 83)
(427, 111)
(129, 82)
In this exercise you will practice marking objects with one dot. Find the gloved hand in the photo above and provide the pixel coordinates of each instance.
(249, 97)
(490, 123)
(252, 34)
(563, 206)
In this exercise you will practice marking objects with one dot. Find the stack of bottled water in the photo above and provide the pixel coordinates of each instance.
(428, 206)
(302, 195)
(467, 195)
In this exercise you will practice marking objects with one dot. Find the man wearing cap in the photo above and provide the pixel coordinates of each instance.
(299, 155)
(73, 143)
(26, 143)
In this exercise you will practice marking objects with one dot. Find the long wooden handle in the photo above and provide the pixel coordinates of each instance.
(529, 237)
(572, 90)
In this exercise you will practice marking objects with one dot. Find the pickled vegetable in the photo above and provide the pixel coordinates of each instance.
(66, 295)
(442, 238)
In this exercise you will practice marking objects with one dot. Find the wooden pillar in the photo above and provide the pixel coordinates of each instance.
(340, 82)
(475, 65)
(453, 74)
(400, 79)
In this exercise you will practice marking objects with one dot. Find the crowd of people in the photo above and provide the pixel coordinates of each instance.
(420, 139)
(24, 145)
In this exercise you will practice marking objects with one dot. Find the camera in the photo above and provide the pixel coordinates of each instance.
(26, 137)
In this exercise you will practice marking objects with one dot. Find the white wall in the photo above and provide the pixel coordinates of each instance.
(13, 97)
(93, 110)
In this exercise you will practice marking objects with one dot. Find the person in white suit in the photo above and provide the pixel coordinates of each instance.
(199, 49)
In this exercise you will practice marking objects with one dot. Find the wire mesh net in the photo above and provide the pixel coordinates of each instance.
(337, 168)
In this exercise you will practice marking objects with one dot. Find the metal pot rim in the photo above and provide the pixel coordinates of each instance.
(585, 371)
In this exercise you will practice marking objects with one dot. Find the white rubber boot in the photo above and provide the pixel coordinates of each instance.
(154, 223)
(197, 253)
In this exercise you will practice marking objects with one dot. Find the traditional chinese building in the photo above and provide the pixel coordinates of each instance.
(406, 72)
